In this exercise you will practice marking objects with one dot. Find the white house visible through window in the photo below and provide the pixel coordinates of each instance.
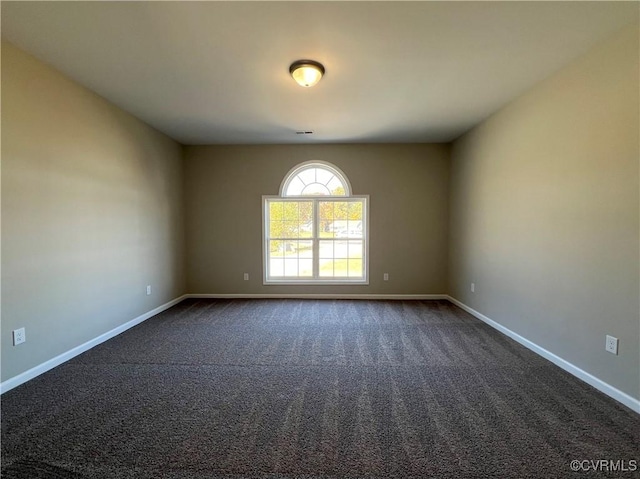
(315, 231)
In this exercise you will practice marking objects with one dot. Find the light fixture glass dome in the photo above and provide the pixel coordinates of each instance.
(306, 72)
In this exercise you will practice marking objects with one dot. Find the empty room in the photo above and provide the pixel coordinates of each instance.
(320, 239)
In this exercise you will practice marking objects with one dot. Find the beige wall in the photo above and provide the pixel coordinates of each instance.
(545, 214)
(91, 214)
(408, 188)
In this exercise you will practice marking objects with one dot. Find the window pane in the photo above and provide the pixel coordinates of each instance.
(305, 255)
(339, 225)
(323, 176)
(288, 247)
(355, 249)
(335, 186)
(306, 230)
(340, 210)
(305, 249)
(340, 268)
(326, 268)
(325, 230)
(325, 249)
(325, 210)
(291, 267)
(355, 210)
(276, 229)
(290, 229)
(276, 249)
(354, 229)
(276, 210)
(276, 267)
(306, 268)
(295, 187)
(340, 249)
(355, 268)
(315, 189)
(305, 210)
(341, 259)
(308, 176)
(290, 210)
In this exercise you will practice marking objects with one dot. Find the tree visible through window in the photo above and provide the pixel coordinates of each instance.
(315, 231)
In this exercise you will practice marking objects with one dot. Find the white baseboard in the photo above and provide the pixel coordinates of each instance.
(72, 353)
(320, 296)
(602, 386)
(66, 356)
(599, 384)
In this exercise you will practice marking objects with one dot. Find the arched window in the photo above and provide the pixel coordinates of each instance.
(315, 179)
(315, 231)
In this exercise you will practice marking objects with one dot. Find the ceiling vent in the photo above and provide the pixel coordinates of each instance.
(304, 132)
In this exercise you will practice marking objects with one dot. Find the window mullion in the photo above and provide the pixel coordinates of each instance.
(316, 243)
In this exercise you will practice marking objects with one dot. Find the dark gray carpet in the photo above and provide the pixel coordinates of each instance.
(33, 469)
(311, 389)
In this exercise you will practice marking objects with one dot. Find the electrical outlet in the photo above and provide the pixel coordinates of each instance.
(19, 336)
(246, 276)
(473, 287)
(148, 290)
(385, 277)
(612, 345)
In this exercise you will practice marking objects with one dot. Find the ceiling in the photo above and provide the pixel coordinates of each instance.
(217, 72)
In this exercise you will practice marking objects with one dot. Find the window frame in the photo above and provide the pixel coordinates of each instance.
(315, 237)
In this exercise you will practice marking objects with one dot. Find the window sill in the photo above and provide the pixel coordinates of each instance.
(316, 282)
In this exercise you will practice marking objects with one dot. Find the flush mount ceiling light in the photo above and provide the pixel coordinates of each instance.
(306, 72)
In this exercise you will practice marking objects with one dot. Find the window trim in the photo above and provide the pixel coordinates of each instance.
(315, 199)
